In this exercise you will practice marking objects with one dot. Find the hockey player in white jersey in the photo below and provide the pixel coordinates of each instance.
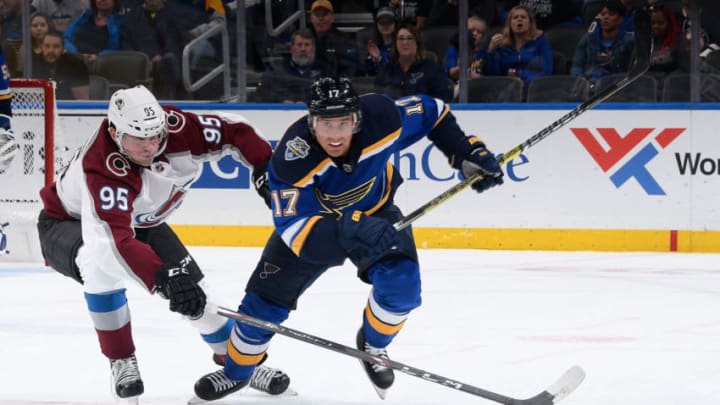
(103, 221)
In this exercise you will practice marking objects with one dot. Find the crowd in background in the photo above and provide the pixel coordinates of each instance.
(410, 47)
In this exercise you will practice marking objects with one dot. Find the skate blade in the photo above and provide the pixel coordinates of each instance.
(129, 401)
(288, 393)
(382, 392)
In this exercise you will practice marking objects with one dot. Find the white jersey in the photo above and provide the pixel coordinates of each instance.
(112, 196)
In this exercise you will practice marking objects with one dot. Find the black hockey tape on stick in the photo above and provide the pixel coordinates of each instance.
(566, 384)
(639, 68)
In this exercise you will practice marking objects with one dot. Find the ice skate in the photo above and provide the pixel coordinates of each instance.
(216, 385)
(381, 377)
(126, 379)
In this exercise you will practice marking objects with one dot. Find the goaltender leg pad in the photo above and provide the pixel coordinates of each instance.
(60, 241)
(396, 292)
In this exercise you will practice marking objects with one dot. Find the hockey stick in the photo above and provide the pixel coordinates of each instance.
(641, 65)
(560, 389)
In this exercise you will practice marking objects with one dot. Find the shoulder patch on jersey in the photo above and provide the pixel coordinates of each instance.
(175, 121)
(296, 148)
(117, 164)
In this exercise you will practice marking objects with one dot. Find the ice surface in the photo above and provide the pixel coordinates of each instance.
(644, 326)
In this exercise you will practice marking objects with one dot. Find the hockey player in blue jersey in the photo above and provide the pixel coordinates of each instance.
(8, 146)
(331, 185)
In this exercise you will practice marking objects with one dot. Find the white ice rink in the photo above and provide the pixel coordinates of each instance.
(644, 326)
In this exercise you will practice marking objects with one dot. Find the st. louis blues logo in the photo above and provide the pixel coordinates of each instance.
(296, 149)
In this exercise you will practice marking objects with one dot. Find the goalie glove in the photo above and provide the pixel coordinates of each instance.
(482, 161)
(8, 148)
(173, 282)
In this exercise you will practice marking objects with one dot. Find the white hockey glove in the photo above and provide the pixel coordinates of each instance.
(8, 148)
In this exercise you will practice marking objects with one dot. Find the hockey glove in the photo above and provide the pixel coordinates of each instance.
(8, 148)
(260, 181)
(482, 161)
(367, 237)
(173, 282)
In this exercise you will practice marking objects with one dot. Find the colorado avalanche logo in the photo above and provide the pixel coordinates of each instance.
(296, 149)
(153, 218)
(175, 122)
(117, 164)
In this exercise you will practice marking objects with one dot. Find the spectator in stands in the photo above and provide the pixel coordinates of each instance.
(378, 48)
(667, 38)
(409, 72)
(40, 24)
(95, 32)
(334, 47)
(607, 50)
(549, 13)
(415, 11)
(61, 12)
(197, 17)
(11, 34)
(68, 71)
(478, 55)
(521, 49)
(302, 61)
(290, 80)
(151, 29)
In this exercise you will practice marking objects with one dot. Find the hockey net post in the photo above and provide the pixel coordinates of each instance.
(34, 120)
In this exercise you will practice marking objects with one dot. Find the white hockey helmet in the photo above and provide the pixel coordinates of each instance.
(136, 112)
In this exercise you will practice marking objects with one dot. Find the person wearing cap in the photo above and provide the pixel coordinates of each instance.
(378, 48)
(333, 47)
(607, 50)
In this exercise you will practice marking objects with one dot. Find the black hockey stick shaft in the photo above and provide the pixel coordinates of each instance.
(641, 65)
(565, 385)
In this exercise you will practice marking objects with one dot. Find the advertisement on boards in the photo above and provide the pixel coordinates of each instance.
(607, 169)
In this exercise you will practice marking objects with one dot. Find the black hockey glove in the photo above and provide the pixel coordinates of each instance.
(367, 237)
(260, 181)
(482, 161)
(173, 282)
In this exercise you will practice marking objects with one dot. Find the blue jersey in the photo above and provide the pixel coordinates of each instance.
(311, 189)
(5, 94)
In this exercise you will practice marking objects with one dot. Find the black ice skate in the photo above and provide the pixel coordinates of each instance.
(126, 377)
(266, 379)
(380, 376)
(217, 385)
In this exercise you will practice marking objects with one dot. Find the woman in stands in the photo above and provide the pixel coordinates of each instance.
(409, 72)
(607, 50)
(40, 24)
(379, 47)
(666, 37)
(95, 32)
(521, 49)
(478, 55)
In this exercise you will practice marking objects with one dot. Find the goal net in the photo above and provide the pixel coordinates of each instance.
(33, 122)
